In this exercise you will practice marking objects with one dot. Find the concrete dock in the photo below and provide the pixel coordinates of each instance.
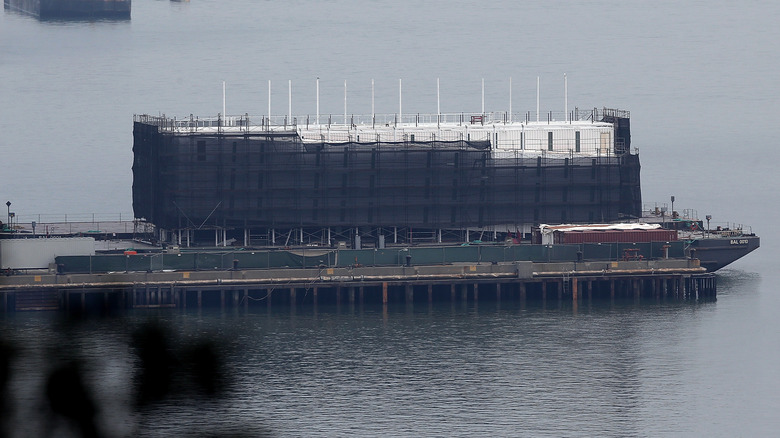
(563, 281)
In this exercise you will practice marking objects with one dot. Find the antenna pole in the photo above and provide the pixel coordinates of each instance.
(345, 102)
(566, 97)
(269, 102)
(438, 102)
(400, 111)
(223, 99)
(510, 99)
(537, 98)
(483, 96)
(372, 101)
(289, 101)
(318, 100)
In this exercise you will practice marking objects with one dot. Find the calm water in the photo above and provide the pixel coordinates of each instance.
(698, 77)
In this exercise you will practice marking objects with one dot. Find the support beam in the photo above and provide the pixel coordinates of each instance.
(574, 289)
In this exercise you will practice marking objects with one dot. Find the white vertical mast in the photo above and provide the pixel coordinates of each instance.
(289, 101)
(510, 99)
(345, 102)
(400, 101)
(269, 102)
(537, 98)
(483, 96)
(565, 98)
(223, 100)
(318, 101)
(372, 101)
(438, 101)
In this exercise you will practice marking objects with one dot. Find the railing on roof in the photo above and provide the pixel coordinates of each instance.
(261, 123)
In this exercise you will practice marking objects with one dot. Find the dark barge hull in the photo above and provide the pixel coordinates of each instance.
(716, 253)
(70, 9)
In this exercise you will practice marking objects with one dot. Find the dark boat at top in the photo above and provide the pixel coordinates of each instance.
(72, 9)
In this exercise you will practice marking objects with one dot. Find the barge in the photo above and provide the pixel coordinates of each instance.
(372, 181)
(72, 9)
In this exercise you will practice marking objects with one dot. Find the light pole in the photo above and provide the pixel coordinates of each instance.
(672, 206)
(708, 217)
(8, 204)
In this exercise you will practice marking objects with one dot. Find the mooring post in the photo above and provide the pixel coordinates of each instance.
(498, 292)
(314, 295)
(574, 289)
(637, 288)
(384, 292)
(476, 292)
(559, 285)
(612, 289)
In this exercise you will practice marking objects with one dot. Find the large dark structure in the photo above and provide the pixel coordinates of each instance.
(274, 181)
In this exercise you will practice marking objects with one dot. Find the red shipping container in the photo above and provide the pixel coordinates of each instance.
(615, 236)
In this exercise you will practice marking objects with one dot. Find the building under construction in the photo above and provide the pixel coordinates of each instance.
(263, 181)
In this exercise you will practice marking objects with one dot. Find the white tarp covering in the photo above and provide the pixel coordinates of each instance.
(38, 253)
(548, 230)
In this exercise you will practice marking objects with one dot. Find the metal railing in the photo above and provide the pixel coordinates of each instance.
(248, 123)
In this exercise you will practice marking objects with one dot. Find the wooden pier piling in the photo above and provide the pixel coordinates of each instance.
(572, 283)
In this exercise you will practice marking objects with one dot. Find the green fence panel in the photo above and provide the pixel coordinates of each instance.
(490, 254)
(599, 251)
(109, 263)
(461, 254)
(310, 258)
(72, 264)
(251, 260)
(563, 253)
(282, 259)
(208, 261)
(387, 257)
(426, 256)
(349, 257)
(677, 250)
(532, 253)
(138, 262)
(179, 262)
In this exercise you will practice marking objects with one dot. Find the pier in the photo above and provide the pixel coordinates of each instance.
(524, 281)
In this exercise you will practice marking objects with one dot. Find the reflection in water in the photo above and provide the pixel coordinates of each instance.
(428, 369)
